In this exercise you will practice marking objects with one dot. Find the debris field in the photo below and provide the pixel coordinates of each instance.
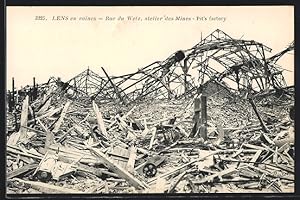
(138, 133)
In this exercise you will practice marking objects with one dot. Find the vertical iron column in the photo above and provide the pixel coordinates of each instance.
(203, 120)
(196, 119)
(185, 77)
(13, 92)
(34, 96)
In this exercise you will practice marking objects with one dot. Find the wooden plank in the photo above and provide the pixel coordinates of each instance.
(42, 125)
(283, 147)
(48, 114)
(255, 157)
(100, 120)
(267, 139)
(93, 170)
(34, 130)
(131, 160)
(65, 134)
(24, 118)
(237, 153)
(45, 107)
(218, 174)
(73, 153)
(278, 154)
(152, 138)
(13, 138)
(21, 170)
(61, 118)
(182, 131)
(106, 189)
(220, 131)
(14, 151)
(119, 170)
(275, 156)
(123, 117)
(52, 112)
(47, 188)
(49, 140)
(145, 132)
(123, 125)
(126, 152)
(119, 156)
(31, 112)
(175, 183)
(289, 158)
(251, 146)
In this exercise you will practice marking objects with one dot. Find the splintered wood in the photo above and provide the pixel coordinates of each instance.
(99, 119)
(61, 118)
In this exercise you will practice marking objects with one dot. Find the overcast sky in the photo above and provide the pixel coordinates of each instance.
(65, 48)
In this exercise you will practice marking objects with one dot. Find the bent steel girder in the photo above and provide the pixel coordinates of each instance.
(242, 60)
(147, 81)
(273, 59)
(240, 65)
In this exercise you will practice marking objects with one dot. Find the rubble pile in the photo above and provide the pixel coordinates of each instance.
(214, 118)
(59, 145)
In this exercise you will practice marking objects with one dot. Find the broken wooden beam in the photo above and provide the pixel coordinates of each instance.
(100, 120)
(47, 188)
(24, 118)
(131, 160)
(218, 174)
(50, 113)
(61, 118)
(119, 170)
(42, 125)
(21, 170)
(255, 157)
(45, 107)
(15, 150)
(152, 138)
(123, 117)
(92, 170)
(175, 183)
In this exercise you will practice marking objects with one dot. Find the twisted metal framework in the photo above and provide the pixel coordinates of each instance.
(88, 84)
(242, 63)
(239, 65)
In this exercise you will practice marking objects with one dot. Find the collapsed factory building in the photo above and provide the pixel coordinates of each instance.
(215, 118)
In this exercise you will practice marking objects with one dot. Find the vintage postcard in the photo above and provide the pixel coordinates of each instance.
(150, 99)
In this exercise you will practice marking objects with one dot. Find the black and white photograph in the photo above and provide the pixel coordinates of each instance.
(150, 99)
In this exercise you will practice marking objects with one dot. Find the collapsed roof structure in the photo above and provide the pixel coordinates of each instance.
(239, 65)
(152, 133)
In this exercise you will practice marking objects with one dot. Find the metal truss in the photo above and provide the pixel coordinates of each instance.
(239, 65)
